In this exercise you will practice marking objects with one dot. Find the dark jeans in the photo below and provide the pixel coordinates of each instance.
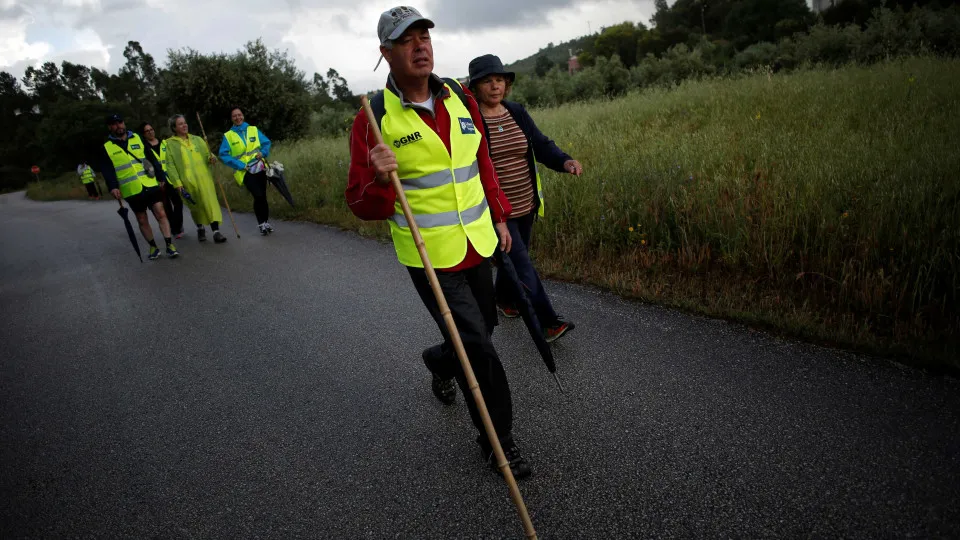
(469, 293)
(520, 230)
(256, 184)
(92, 189)
(173, 204)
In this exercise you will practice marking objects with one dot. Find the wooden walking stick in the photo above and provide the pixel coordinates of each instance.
(217, 172)
(455, 337)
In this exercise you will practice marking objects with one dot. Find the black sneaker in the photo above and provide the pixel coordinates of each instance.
(445, 390)
(202, 235)
(218, 238)
(518, 465)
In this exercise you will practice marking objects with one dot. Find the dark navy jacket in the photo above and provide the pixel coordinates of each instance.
(541, 146)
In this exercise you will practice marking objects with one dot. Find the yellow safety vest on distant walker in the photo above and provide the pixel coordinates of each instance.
(87, 176)
(162, 158)
(130, 174)
(244, 150)
(443, 189)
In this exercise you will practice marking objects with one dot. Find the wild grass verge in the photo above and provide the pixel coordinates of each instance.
(821, 203)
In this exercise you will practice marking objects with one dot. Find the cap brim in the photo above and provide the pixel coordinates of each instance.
(407, 24)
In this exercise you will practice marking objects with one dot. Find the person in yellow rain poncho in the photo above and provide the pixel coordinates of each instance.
(188, 164)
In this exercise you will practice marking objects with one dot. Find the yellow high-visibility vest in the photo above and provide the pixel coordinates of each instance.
(243, 149)
(87, 176)
(162, 156)
(129, 168)
(443, 189)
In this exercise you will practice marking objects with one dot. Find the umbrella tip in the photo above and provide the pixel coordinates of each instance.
(559, 385)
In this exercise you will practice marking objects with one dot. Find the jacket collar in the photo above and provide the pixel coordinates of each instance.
(242, 128)
(438, 89)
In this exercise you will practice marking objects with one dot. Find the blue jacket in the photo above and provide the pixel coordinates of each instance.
(541, 146)
(241, 130)
(106, 165)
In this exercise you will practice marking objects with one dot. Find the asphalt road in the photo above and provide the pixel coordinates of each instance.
(273, 388)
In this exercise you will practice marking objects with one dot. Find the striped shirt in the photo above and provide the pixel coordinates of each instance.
(508, 150)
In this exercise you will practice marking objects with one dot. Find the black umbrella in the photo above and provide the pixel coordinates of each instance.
(525, 307)
(124, 211)
(277, 179)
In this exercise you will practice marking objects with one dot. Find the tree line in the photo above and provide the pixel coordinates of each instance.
(54, 115)
(701, 38)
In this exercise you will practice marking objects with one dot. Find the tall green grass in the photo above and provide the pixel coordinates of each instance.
(824, 203)
(64, 186)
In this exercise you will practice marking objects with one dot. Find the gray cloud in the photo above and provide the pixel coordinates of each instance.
(320, 35)
(492, 13)
(13, 12)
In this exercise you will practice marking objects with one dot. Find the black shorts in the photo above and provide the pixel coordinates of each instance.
(145, 199)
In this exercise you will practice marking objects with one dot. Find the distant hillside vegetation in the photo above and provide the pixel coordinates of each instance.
(557, 54)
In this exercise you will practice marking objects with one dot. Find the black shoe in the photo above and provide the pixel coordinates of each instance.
(445, 390)
(218, 238)
(518, 465)
(202, 235)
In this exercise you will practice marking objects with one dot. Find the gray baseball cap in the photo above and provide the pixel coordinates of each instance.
(395, 21)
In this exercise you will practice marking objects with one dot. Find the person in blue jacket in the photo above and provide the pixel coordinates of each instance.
(516, 145)
(244, 149)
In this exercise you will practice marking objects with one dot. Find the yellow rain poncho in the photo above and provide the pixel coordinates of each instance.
(188, 166)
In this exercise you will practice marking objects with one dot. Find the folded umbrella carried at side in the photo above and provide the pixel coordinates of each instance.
(124, 213)
(276, 177)
(527, 312)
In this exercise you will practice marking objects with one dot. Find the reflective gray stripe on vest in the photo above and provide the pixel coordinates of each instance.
(426, 221)
(441, 178)
(132, 178)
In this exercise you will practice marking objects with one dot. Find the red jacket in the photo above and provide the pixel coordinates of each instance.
(369, 200)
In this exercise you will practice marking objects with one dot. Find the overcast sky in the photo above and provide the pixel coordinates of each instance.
(319, 35)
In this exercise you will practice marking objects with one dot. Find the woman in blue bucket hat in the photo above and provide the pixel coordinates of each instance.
(516, 145)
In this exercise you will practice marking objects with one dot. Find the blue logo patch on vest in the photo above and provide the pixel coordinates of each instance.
(467, 127)
(134, 146)
(252, 139)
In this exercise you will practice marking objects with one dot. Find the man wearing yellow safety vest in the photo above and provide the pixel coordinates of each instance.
(243, 149)
(134, 174)
(88, 179)
(433, 140)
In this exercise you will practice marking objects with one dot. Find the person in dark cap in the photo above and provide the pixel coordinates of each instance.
(516, 145)
(133, 174)
(430, 127)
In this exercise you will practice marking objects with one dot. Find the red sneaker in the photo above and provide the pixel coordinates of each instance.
(508, 312)
(561, 327)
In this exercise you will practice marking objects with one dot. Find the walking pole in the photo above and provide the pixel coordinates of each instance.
(217, 172)
(455, 337)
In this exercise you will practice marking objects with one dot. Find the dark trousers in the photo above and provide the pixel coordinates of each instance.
(91, 189)
(256, 184)
(469, 293)
(173, 205)
(520, 230)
